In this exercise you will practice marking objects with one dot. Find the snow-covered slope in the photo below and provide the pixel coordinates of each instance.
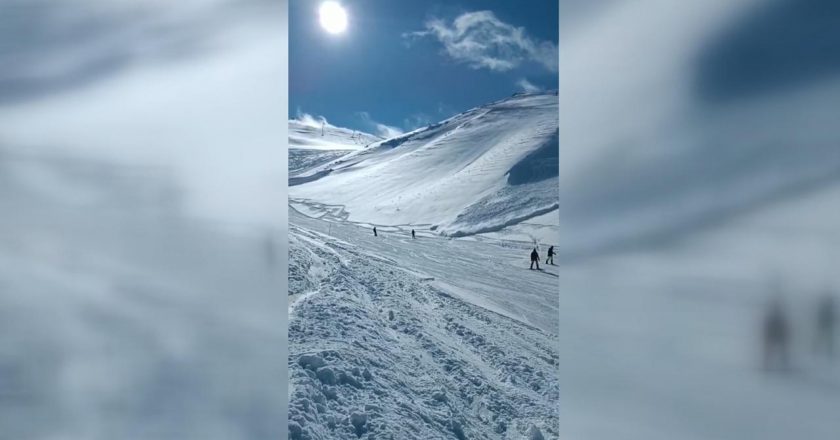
(427, 338)
(479, 171)
(307, 133)
(313, 143)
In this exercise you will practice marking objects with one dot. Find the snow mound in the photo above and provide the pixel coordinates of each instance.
(482, 170)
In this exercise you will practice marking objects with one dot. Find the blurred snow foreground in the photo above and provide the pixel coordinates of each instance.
(141, 242)
(124, 318)
(699, 185)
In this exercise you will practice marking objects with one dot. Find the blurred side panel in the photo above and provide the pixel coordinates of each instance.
(699, 186)
(143, 247)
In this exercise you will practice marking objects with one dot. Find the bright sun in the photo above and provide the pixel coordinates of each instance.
(333, 17)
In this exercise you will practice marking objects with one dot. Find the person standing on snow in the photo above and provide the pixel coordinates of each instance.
(826, 317)
(374, 232)
(550, 259)
(776, 338)
(535, 258)
(412, 233)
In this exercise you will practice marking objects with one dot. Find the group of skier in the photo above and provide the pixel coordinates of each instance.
(375, 234)
(776, 333)
(775, 327)
(535, 257)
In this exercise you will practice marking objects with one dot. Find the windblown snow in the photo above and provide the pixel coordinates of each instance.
(306, 132)
(313, 142)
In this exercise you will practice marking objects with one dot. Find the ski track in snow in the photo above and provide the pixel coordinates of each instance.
(378, 349)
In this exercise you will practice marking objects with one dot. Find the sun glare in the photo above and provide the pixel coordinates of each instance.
(333, 17)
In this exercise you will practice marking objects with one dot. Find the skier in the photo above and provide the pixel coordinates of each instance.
(374, 232)
(412, 233)
(550, 259)
(535, 258)
(776, 336)
(826, 317)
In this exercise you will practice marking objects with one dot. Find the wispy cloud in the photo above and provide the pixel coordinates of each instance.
(527, 86)
(378, 128)
(483, 41)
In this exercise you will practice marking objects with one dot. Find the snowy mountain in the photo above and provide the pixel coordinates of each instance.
(397, 336)
(314, 142)
(479, 171)
(307, 132)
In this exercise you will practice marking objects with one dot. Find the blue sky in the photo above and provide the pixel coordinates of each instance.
(403, 64)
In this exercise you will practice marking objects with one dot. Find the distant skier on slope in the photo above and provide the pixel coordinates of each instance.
(550, 259)
(776, 337)
(374, 232)
(826, 318)
(412, 233)
(535, 258)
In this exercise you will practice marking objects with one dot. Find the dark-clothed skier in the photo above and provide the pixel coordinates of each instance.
(374, 232)
(412, 233)
(550, 259)
(535, 259)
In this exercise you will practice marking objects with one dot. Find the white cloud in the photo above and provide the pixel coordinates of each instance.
(528, 86)
(483, 41)
(378, 128)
